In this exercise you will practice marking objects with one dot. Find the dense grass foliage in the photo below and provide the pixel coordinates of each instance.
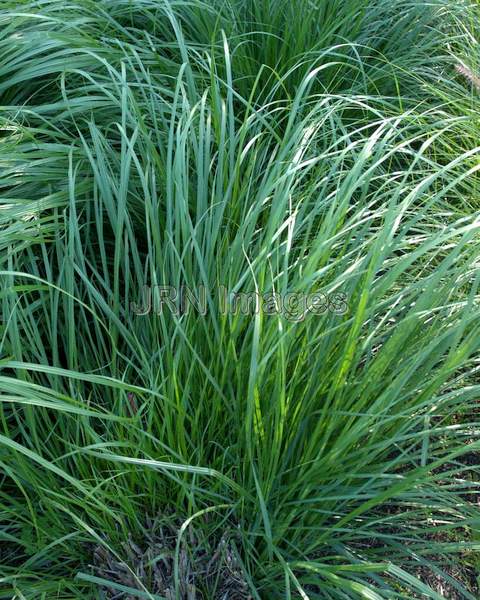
(325, 146)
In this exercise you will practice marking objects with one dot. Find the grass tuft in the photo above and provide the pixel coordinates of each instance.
(306, 426)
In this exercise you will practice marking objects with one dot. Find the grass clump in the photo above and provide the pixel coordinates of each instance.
(321, 155)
